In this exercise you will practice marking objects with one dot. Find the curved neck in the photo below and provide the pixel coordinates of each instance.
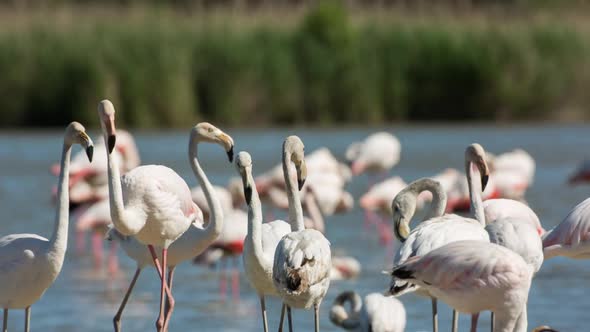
(215, 225)
(59, 238)
(439, 197)
(474, 182)
(340, 317)
(123, 222)
(255, 221)
(295, 209)
(313, 211)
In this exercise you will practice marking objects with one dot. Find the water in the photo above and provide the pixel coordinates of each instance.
(83, 299)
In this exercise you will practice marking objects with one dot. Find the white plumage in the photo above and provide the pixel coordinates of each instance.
(379, 152)
(377, 313)
(29, 263)
(571, 238)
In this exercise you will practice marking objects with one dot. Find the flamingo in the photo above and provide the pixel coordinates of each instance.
(571, 238)
(438, 229)
(377, 313)
(30, 263)
(196, 239)
(96, 218)
(473, 276)
(302, 261)
(378, 153)
(500, 208)
(522, 238)
(513, 173)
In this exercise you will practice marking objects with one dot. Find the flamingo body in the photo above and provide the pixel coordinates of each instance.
(571, 238)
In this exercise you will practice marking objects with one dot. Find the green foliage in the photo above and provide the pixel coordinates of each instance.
(324, 70)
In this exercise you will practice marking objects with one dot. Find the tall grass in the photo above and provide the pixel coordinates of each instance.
(325, 68)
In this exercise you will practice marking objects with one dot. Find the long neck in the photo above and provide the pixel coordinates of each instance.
(439, 197)
(122, 219)
(473, 180)
(59, 239)
(314, 212)
(295, 209)
(341, 317)
(216, 215)
(255, 221)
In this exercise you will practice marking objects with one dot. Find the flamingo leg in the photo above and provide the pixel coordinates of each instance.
(222, 279)
(160, 321)
(5, 321)
(455, 321)
(316, 317)
(492, 321)
(264, 321)
(97, 249)
(235, 283)
(434, 316)
(289, 319)
(474, 319)
(80, 242)
(117, 318)
(158, 267)
(28, 319)
(170, 302)
(113, 260)
(281, 321)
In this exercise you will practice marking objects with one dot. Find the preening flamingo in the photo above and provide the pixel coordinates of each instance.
(377, 313)
(473, 276)
(438, 229)
(302, 261)
(571, 238)
(378, 153)
(197, 238)
(581, 174)
(29, 263)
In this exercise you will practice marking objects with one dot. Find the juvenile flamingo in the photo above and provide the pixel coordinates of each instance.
(197, 238)
(30, 263)
(377, 313)
(302, 261)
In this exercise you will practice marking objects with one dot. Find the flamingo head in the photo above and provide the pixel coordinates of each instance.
(76, 134)
(244, 166)
(106, 112)
(476, 155)
(403, 208)
(207, 132)
(294, 150)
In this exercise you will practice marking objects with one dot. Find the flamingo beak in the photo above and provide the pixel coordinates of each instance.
(230, 154)
(89, 146)
(301, 175)
(248, 193)
(90, 152)
(112, 139)
(484, 181)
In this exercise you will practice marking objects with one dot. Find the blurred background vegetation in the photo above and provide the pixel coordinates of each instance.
(262, 62)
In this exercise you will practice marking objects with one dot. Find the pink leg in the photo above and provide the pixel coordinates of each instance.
(97, 249)
(170, 302)
(80, 242)
(158, 267)
(235, 286)
(161, 316)
(113, 259)
(222, 279)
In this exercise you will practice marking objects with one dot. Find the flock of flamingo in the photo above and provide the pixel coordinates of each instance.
(482, 260)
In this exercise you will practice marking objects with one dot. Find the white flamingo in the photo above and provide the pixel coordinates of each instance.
(473, 276)
(438, 229)
(571, 238)
(262, 239)
(377, 313)
(29, 263)
(378, 153)
(302, 261)
(197, 238)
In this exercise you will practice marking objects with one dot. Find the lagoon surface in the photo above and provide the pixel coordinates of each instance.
(84, 299)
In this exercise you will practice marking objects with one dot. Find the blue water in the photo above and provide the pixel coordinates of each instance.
(83, 299)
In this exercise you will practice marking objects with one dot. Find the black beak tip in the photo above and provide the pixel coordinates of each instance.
(111, 143)
(248, 194)
(230, 154)
(300, 183)
(90, 152)
(484, 181)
